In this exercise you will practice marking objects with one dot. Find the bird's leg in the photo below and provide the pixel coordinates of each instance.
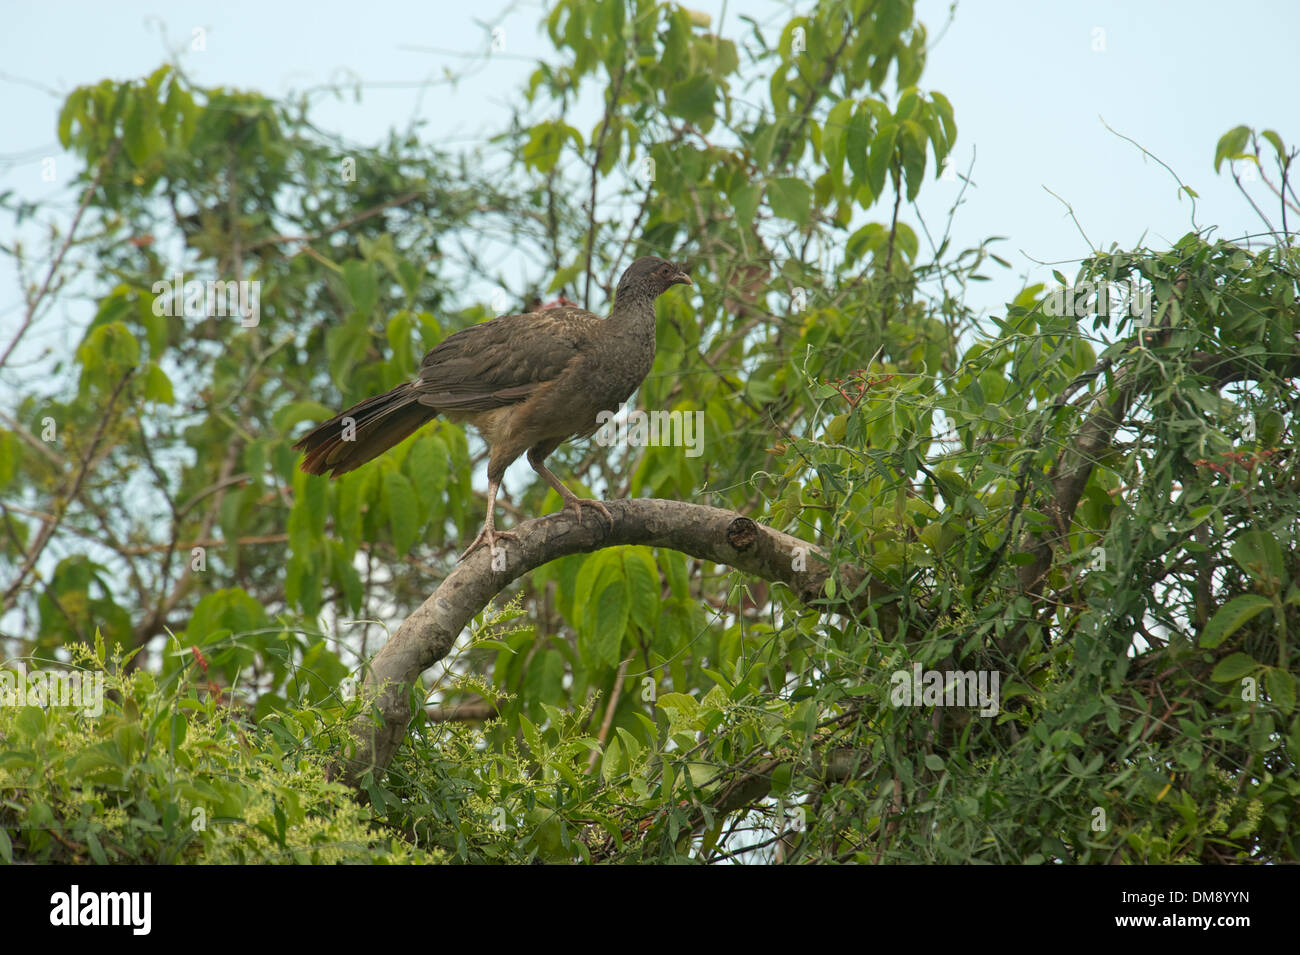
(489, 534)
(571, 501)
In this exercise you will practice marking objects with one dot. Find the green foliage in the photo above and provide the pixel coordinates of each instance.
(1132, 587)
(167, 772)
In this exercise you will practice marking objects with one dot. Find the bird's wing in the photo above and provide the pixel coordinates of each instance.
(502, 361)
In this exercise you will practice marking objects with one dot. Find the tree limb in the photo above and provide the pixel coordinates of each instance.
(61, 508)
(707, 533)
(1070, 474)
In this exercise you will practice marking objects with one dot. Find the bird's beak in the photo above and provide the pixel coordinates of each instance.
(681, 278)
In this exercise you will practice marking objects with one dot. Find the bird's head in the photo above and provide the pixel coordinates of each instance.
(653, 275)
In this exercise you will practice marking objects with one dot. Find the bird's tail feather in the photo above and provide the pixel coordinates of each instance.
(377, 424)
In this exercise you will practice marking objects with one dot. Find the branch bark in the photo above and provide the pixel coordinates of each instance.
(707, 533)
(1074, 467)
(34, 302)
(61, 509)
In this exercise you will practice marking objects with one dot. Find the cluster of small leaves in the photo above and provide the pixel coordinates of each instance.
(170, 773)
(657, 709)
(1147, 712)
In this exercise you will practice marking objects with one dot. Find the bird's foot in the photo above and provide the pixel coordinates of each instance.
(490, 536)
(576, 504)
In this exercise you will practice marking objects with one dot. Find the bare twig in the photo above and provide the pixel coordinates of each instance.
(48, 528)
(350, 221)
(35, 301)
(608, 721)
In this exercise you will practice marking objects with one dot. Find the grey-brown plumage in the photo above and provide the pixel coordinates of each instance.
(526, 382)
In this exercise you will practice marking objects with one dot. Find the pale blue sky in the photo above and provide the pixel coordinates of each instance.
(1027, 80)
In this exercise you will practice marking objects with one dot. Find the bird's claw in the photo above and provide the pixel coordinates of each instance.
(487, 536)
(576, 504)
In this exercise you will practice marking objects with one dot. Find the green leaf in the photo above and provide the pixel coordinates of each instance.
(914, 141)
(1258, 553)
(108, 350)
(398, 333)
(613, 764)
(882, 157)
(833, 134)
(546, 143)
(74, 107)
(403, 511)
(1233, 667)
(1276, 142)
(791, 199)
(944, 110)
(532, 736)
(544, 678)
(764, 142)
(30, 721)
(1270, 424)
(181, 116)
(427, 466)
(867, 239)
(857, 142)
(96, 849)
(140, 132)
(1281, 688)
(1231, 616)
(611, 615)
(177, 730)
(344, 346)
(692, 99)
(643, 586)
(745, 201)
(1230, 145)
(683, 711)
(363, 288)
(157, 386)
(153, 141)
(908, 104)
(726, 59)
(594, 573)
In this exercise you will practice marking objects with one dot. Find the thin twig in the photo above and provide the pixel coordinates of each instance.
(608, 721)
(595, 175)
(350, 221)
(35, 300)
(49, 527)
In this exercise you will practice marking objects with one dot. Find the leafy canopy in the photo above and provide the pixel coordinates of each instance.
(1096, 503)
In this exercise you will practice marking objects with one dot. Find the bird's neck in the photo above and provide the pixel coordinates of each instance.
(635, 316)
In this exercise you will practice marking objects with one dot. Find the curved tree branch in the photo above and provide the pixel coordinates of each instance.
(1109, 412)
(1075, 465)
(707, 533)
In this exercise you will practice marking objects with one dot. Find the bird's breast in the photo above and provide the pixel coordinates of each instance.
(613, 373)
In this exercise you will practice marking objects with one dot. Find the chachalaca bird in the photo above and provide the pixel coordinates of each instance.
(526, 382)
